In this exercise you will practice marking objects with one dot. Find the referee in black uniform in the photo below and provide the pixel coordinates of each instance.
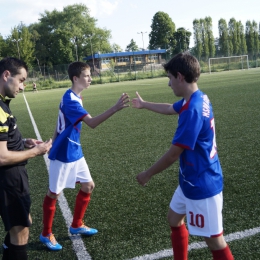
(15, 199)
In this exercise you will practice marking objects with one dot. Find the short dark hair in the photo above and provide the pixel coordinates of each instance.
(186, 64)
(13, 65)
(75, 69)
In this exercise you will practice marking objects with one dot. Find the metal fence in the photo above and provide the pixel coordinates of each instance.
(57, 76)
(44, 75)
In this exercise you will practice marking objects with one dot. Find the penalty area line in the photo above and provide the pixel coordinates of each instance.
(199, 245)
(77, 242)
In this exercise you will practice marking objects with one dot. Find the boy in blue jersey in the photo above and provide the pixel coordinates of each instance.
(199, 194)
(67, 163)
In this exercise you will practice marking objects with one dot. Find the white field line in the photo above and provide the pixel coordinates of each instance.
(77, 242)
(199, 245)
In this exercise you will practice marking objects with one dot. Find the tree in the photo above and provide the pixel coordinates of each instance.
(250, 38)
(182, 39)
(27, 46)
(224, 43)
(100, 39)
(162, 33)
(116, 47)
(14, 41)
(241, 39)
(2, 42)
(198, 40)
(68, 35)
(256, 39)
(132, 46)
(203, 38)
(210, 36)
(3, 47)
(233, 34)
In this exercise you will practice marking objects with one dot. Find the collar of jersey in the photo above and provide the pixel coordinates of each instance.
(2, 97)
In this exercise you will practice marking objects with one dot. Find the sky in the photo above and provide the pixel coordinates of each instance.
(132, 19)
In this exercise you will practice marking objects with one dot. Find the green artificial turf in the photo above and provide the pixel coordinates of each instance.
(132, 219)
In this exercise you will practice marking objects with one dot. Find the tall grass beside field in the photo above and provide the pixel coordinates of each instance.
(132, 219)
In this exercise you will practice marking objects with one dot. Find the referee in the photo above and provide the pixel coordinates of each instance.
(15, 199)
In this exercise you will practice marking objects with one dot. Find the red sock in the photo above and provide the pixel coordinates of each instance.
(81, 205)
(180, 241)
(49, 207)
(222, 254)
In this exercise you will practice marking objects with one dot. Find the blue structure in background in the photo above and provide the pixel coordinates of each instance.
(100, 60)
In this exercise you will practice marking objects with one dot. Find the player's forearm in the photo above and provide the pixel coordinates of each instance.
(97, 120)
(163, 163)
(161, 108)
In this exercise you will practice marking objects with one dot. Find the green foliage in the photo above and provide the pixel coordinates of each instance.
(252, 38)
(182, 40)
(116, 48)
(223, 37)
(20, 44)
(241, 39)
(68, 35)
(162, 31)
(27, 46)
(211, 40)
(198, 40)
(233, 33)
(3, 47)
(132, 46)
(204, 39)
(111, 66)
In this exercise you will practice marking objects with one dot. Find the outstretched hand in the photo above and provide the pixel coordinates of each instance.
(122, 102)
(138, 101)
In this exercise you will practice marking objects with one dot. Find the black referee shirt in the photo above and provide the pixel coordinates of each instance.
(8, 128)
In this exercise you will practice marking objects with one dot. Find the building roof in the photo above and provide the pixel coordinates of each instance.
(123, 54)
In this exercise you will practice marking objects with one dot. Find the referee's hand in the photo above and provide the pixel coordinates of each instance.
(44, 147)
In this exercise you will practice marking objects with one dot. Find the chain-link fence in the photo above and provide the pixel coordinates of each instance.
(57, 76)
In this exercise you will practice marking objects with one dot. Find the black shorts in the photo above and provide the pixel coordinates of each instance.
(15, 201)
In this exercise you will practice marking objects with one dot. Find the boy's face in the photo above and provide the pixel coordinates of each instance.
(175, 84)
(84, 79)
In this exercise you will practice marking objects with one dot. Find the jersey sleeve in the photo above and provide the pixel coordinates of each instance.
(189, 126)
(4, 125)
(73, 111)
(178, 105)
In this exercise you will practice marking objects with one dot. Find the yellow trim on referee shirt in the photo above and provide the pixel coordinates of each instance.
(3, 116)
(4, 129)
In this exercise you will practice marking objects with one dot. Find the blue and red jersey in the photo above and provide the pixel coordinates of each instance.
(200, 174)
(66, 147)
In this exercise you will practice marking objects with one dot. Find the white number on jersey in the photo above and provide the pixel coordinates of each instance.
(214, 143)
